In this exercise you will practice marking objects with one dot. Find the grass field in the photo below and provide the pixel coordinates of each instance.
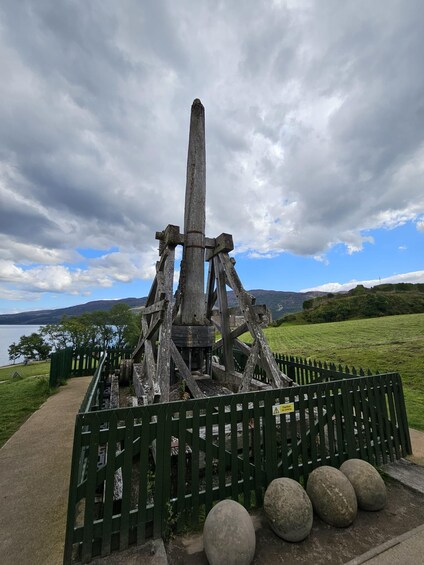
(20, 396)
(392, 343)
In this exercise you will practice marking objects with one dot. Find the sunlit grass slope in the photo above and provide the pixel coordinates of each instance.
(20, 396)
(393, 343)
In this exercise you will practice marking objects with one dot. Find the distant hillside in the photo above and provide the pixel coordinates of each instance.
(279, 302)
(361, 302)
(54, 316)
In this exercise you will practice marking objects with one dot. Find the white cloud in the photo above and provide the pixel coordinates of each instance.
(313, 120)
(414, 277)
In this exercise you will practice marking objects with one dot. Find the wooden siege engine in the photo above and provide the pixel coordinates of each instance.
(177, 339)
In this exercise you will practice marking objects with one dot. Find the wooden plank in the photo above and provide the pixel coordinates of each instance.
(234, 452)
(150, 362)
(126, 481)
(181, 466)
(223, 311)
(90, 493)
(329, 407)
(164, 350)
(221, 447)
(293, 442)
(269, 439)
(237, 332)
(257, 455)
(347, 397)
(195, 459)
(401, 415)
(284, 441)
(250, 368)
(359, 420)
(184, 371)
(370, 456)
(208, 457)
(340, 424)
(321, 424)
(162, 450)
(384, 401)
(72, 498)
(373, 418)
(246, 449)
(144, 478)
(156, 307)
(382, 420)
(393, 420)
(312, 427)
(304, 436)
(109, 486)
(210, 290)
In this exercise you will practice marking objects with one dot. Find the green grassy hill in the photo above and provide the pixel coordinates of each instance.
(361, 302)
(394, 343)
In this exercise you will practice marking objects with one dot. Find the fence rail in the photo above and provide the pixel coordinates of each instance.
(69, 362)
(301, 371)
(174, 460)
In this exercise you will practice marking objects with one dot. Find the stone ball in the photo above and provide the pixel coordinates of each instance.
(288, 509)
(332, 496)
(369, 487)
(228, 534)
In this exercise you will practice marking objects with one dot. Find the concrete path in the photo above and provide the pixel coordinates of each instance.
(407, 548)
(417, 441)
(34, 480)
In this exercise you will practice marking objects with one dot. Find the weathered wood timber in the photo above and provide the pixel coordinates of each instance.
(177, 338)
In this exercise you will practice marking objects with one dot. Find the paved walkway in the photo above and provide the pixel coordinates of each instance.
(34, 480)
(407, 548)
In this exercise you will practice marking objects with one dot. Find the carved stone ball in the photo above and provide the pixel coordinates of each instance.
(332, 496)
(288, 509)
(228, 534)
(368, 485)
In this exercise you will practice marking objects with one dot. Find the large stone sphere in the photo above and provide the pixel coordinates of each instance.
(288, 509)
(332, 496)
(228, 534)
(368, 485)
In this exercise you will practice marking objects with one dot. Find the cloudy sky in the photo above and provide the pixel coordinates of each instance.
(315, 141)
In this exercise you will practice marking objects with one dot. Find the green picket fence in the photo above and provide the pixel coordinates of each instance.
(301, 371)
(66, 363)
(175, 460)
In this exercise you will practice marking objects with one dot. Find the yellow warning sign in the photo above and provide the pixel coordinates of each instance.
(278, 409)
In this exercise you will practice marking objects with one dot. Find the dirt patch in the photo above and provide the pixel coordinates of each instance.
(325, 544)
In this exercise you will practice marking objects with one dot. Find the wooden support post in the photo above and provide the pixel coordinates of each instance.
(250, 368)
(150, 362)
(164, 354)
(184, 372)
(227, 342)
(210, 292)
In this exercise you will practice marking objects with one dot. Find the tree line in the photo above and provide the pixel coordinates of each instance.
(118, 327)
